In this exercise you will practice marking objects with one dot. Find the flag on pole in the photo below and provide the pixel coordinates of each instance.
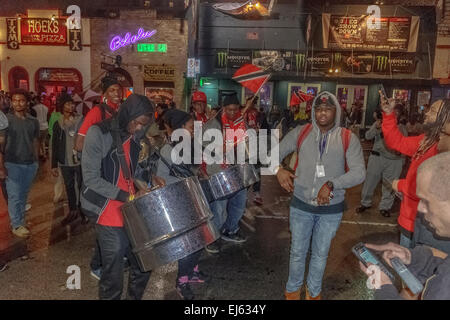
(300, 97)
(251, 77)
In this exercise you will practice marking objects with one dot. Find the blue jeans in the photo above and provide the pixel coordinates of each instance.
(322, 228)
(235, 206)
(18, 184)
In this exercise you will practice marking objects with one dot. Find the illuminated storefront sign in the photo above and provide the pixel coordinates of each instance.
(152, 47)
(118, 42)
(41, 31)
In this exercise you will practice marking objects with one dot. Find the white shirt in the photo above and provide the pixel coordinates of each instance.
(41, 115)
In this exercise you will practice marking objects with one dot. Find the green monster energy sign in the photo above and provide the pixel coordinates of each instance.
(221, 61)
(300, 61)
(232, 58)
(397, 63)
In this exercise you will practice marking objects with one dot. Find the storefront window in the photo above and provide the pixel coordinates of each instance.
(18, 79)
(265, 96)
(353, 101)
(305, 108)
(402, 96)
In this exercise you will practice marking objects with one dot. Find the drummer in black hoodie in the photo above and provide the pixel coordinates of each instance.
(174, 119)
(105, 188)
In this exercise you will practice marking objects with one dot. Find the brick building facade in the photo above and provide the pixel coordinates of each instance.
(150, 71)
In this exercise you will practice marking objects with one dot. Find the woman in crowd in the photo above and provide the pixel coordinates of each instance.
(65, 157)
(174, 119)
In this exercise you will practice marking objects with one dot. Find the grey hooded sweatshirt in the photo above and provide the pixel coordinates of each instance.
(307, 184)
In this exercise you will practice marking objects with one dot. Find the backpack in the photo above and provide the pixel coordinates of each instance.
(345, 135)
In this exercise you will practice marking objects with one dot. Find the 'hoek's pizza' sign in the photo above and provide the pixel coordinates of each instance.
(41, 31)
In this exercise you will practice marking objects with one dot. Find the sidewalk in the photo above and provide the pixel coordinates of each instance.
(43, 220)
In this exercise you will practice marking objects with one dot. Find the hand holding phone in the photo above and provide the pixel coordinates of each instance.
(387, 104)
(367, 258)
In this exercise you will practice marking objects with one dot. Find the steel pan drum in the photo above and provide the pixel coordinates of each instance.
(229, 181)
(169, 223)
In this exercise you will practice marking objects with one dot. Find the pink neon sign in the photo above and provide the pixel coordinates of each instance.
(118, 42)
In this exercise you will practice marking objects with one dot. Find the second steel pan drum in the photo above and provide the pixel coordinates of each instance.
(229, 181)
(169, 223)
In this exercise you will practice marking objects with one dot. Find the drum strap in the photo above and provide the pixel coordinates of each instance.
(121, 154)
(174, 169)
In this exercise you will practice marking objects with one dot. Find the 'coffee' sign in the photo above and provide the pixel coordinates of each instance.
(41, 31)
(159, 72)
(12, 34)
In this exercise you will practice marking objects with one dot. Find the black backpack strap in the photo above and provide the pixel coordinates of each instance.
(103, 108)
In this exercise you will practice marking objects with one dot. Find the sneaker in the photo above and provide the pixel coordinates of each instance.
(385, 213)
(199, 276)
(3, 267)
(213, 247)
(21, 232)
(258, 201)
(96, 274)
(233, 237)
(308, 297)
(27, 207)
(184, 290)
(361, 209)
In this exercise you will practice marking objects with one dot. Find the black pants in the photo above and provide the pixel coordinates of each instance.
(96, 261)
(186, 265)
(70, 175)
(114, 246)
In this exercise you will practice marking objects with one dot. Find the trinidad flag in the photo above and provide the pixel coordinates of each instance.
(251, 77)
(300, 97)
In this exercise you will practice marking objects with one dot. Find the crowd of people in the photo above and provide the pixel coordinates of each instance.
(325, 159)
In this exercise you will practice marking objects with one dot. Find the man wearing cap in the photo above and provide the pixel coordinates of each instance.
(199, 106)
(330, 160)
(230, 118)
(19, 155)
(112, 97)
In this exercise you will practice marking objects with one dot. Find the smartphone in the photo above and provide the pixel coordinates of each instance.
(368, 257)
(383, 91)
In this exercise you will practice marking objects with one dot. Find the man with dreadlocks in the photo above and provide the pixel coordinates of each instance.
(420, 148)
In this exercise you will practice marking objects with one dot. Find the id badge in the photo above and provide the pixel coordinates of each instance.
(320, 171)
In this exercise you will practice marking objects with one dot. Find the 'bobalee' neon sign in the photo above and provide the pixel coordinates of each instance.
(118, 42)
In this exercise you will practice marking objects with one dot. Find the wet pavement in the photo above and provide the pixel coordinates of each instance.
(257, 269)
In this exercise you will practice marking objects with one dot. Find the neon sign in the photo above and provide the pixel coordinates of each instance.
(152, 47)
(118, 42)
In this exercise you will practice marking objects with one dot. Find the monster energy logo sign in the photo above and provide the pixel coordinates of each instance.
(222, 59)
(300, 60)
(337, 57)
(382, 63)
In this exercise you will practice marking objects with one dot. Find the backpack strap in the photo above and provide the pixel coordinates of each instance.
(346, 136)
(301, 137)
(103, 108)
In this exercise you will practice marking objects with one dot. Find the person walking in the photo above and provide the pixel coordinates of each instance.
(19, 162)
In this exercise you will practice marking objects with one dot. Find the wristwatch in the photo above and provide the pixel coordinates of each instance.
(330, 185)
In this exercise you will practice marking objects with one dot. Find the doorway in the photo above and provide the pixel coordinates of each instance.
(353, 99)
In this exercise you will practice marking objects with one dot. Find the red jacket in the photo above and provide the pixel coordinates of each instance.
(408, 146)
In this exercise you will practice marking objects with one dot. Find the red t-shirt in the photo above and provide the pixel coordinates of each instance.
(112, 216)
(94, 116)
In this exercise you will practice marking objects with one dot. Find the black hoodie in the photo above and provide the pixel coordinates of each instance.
(100, 163)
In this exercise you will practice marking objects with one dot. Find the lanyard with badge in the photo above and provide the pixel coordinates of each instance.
(320, 168)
